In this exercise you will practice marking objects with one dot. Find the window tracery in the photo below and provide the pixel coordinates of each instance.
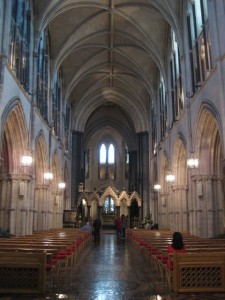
(107, 161)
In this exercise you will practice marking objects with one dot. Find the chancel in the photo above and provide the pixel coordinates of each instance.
(112, 109)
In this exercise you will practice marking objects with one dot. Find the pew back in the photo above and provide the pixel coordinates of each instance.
(22, 272)
(199, 272)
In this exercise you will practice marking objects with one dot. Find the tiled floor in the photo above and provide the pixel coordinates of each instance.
(112, 271)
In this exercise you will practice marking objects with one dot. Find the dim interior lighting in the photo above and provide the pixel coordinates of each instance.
(48, 176)
(170, 177)
(26, 160)
(192, 163)
(61, 185)
(157, 187)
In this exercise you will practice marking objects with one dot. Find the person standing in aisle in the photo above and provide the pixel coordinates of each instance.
(97, 225)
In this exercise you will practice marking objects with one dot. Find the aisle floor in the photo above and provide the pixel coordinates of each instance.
(112, 270)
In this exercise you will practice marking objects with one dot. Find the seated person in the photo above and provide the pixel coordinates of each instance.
(87, 226)
(177, 245)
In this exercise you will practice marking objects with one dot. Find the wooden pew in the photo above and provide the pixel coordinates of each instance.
(199, 272)
(49, 243)
(23, 273)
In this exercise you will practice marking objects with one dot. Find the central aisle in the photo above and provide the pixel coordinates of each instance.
(111, 271)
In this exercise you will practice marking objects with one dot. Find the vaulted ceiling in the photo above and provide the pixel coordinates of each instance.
(111, 53)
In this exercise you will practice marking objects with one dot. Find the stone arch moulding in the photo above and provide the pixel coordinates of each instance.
(206, 110)
(109, 191)
(14, 135)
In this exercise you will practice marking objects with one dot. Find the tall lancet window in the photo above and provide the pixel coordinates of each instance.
(162, 108)
(107, 162)
(43, 69)
(111, 154)
(176, 86)
(103, 154)
(199, 42)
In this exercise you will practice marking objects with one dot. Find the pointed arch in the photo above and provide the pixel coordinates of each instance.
(209, 140)
(14, 137)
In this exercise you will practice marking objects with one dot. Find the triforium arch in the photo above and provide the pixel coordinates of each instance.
(15, 205)
(179, 200)
(208, 200)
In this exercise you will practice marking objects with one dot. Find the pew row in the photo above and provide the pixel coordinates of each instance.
(61, 248)
(200, 269)
(198, 272)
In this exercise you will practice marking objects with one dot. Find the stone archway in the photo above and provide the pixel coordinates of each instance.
(207, 185)
(16, 205)
(99, 197)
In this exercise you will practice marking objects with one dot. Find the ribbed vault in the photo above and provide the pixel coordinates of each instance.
(110, 51)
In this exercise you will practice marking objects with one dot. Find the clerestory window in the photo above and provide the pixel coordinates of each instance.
(107, 161)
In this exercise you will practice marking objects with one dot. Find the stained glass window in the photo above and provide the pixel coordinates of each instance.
(109, 205)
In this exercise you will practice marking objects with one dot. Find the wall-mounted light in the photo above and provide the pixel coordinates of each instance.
(26, 160)
(61, 185)
(170, 177)
(157, 187)
(192, 163)
(48, 176)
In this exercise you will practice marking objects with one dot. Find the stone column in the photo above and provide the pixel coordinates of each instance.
(220, 205)
(4, 203)
(128, 216)
(88, 212)
(12, 207)
(77, 165)
(180, 207)
(143, 172)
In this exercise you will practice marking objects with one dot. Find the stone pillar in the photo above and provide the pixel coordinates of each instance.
(143, 172)
(208, 205)
(4, 202)
(13, 228)
(180, 208)
(77, 166)
(41, 207)
(100, 212)
(128, 216)
(88, 212)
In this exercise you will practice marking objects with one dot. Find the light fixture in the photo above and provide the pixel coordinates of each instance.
(170, 177)
(48, 176)
(61, 185)
(192, 163)
(157, 187)
(26, 160)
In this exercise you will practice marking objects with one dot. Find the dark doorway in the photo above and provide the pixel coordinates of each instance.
(134, 214)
